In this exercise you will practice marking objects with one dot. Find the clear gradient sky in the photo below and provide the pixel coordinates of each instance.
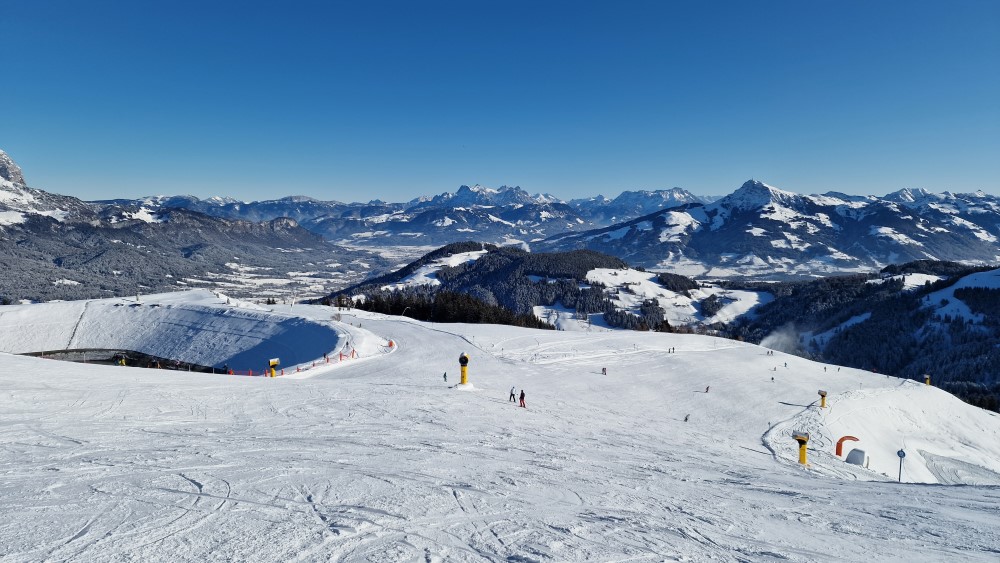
(391, 100)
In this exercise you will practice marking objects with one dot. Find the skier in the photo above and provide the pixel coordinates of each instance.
(446, 377)
(604, 371)
(522, 398)
(512, 397)
(686, 417)
(706, 389)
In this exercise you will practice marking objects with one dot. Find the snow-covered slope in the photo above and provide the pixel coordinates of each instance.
(944, 301)
(378, 458)
(426, 274)
(634, 286)
(198, 327)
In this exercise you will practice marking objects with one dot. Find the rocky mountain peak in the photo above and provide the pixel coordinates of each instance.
(9, 170)
(754, 194)
(481, 195)
(908, 195)
(658, 198)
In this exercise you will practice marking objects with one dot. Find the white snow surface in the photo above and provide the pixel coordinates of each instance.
(628, 288)
(945, 303)
(678, 224)
(426, 274)
(910, 281)
(145, 215)
(379, 459)
(893, 234)
(11, 217)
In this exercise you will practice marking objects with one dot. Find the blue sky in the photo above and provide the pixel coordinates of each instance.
(391, 100)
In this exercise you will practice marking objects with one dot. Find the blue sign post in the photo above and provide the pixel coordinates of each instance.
(901, 455)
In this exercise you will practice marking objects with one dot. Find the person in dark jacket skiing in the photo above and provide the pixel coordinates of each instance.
(522, 398)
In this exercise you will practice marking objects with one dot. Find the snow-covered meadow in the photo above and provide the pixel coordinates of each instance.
(378, 458)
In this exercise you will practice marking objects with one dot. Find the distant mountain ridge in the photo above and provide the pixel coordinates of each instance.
(760, 229)
(506, 215)
(756, 230)
(59, 247)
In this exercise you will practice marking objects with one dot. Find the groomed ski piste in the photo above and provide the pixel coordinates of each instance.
(376, 458)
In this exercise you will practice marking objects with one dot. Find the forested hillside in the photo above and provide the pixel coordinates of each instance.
(512, 279)
(888, 327)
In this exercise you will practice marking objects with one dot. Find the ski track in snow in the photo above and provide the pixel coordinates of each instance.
(380, 460)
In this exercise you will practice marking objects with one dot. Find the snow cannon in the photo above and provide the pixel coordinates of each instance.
(822, 399)
(273, 364)
(463, 361)
(927, 379)
(802, 438)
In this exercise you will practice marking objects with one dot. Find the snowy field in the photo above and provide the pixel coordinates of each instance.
(377, 458)
(634, 287)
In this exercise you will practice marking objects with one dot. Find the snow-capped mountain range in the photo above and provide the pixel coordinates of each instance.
(762, 229)
(508, 215)
(59, 247)
(757, 229)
